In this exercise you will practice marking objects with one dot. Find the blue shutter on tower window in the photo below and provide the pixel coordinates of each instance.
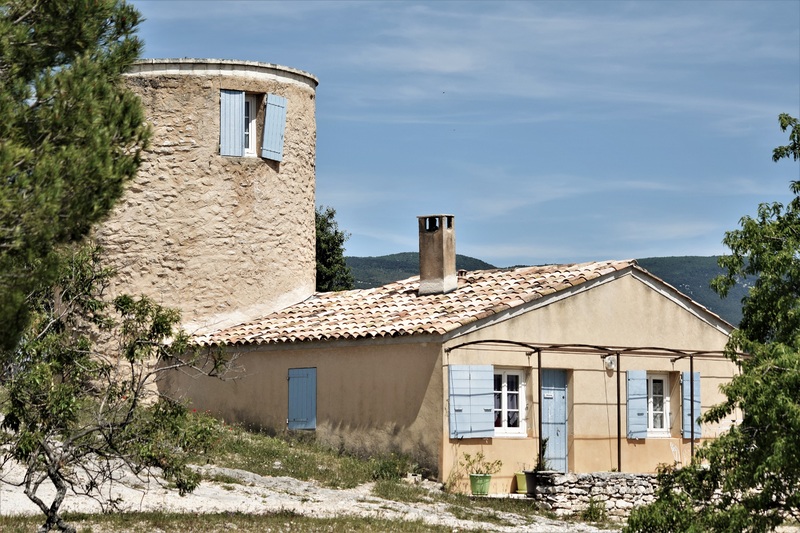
(274, 126)
(686, 404)
(637, 404)
(302, 398)
(471, 401)
(231, 123)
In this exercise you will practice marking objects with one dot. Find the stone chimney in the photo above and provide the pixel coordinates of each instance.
(437, 254)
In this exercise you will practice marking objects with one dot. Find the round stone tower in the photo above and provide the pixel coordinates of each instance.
(219, 221)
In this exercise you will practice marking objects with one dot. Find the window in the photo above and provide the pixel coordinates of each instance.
(250, 112)
(658, 405)
(650, 412)
(485, 401)
(509, 401)
(238, 124)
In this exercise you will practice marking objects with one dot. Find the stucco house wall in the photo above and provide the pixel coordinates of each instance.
(219, 237)
(371, 397)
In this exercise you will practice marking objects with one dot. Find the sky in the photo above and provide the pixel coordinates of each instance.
(555, 132)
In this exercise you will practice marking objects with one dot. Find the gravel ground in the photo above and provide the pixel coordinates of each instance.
(258, 494)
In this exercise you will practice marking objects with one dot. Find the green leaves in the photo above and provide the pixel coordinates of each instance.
(333, 274)
(72, 134)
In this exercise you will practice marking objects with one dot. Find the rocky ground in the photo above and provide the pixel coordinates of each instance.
(245, 492)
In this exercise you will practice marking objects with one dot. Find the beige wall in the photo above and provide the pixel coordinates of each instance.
(625, 312)
(221, 237)
(372, 396)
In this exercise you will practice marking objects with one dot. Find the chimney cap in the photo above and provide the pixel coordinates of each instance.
(436, 216)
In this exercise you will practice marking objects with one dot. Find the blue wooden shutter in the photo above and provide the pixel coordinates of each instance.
(231, 123)
(274, 126)
(686, 404)
(302, 398)
(637, 404)
(471, 401)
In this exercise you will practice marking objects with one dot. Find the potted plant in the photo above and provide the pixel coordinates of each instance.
(480, 472)
(531, 476)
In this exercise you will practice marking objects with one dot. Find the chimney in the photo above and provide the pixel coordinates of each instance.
(437, 254)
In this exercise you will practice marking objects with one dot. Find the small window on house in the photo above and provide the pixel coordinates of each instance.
(509, 401)
(658, 413)
(250, 114)
(239, 127)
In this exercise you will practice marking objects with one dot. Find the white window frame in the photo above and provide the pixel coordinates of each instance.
(504, 430)
(653, 431)
(250, 125)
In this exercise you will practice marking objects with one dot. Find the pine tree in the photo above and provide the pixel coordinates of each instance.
(71, 134)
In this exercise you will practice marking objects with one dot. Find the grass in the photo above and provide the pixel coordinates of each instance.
(197, 523)
(298, 456)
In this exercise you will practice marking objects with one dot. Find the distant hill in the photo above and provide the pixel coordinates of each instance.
(692, 276)
(689, 274)
(376, 271)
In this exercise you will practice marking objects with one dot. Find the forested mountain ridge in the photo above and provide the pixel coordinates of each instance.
(691, 275)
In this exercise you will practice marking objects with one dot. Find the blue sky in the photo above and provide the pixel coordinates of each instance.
(553, 131)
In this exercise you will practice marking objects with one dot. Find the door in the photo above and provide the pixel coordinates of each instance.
(554, 418)
(302, 398)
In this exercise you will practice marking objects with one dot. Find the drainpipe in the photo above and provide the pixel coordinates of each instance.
(539, 399)
(619, 416)
(691, 400)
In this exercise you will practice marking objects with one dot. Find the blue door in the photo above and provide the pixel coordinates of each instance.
(554, 418)
(302, 398)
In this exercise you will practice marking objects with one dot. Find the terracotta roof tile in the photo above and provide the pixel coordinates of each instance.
(397, 310)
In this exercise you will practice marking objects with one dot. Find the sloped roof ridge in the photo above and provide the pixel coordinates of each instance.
(395, 309)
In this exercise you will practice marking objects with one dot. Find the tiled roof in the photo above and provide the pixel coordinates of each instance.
(395, 309)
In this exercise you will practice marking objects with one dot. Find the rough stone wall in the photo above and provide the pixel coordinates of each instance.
(220, 238)
(567, 494)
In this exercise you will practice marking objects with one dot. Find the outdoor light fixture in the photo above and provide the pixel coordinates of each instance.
(610, 362)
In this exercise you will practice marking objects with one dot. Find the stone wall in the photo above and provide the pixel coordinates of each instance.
(567, 494)
(221, 238)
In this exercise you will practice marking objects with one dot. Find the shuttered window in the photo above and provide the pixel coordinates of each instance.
(302, 398)
(274, 126)
(471, 402)
(687, 383)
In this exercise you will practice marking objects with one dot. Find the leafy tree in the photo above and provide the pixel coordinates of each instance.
(81, 403)
(333, 274)
(71, 132)
(748, 479)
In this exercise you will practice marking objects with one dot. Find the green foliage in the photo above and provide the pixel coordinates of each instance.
(81, 401)
(478, 464)
(748, 479)
(595, 511)
(333, 274)
(72, 134)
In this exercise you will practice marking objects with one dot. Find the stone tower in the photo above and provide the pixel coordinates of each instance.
(219, 221)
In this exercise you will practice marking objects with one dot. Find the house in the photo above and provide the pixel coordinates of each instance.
(608, 364)
(219, 221)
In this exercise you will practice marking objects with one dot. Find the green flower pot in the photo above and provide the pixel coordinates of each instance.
(479, 483)
(522, 485)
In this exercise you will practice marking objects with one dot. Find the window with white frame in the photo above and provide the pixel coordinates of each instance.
(250, 113)
(509, 402)
(658, 404)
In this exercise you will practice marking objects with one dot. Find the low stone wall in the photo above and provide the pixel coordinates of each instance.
(566, 494)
